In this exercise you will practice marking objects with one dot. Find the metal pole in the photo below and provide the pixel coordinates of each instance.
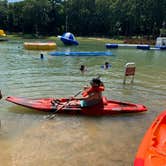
(66, 22)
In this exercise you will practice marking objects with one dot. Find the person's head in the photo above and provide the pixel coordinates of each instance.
(41, 56)
(82, 68)
(106, 64)
(0, 95)
(96, 82)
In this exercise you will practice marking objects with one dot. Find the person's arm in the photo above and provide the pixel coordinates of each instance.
(80, 98)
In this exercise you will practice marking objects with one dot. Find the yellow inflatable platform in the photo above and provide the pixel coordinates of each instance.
(40, 46)
(2, 33)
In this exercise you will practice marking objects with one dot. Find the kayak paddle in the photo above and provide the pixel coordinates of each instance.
(64, 105)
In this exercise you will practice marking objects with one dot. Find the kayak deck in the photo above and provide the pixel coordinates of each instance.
(152, 150)
(106, 107)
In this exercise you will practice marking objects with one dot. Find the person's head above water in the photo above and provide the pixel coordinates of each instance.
(106, 64)
(41, 56)
(82, 67)
(0, 95)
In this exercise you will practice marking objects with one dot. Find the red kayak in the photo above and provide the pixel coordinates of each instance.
(106, 107)
(152, 150)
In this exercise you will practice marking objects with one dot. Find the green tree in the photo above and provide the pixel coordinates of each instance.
(3, 14)
(85, 17)
(35, 16)
(56, 16)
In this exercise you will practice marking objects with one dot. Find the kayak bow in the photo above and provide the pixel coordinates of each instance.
(152, 150)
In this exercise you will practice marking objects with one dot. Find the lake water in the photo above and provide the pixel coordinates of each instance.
(27, 139)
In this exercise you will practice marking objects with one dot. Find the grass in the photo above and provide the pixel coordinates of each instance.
(105, 40)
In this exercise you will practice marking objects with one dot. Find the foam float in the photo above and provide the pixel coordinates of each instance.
(40, 46)
(81, 53)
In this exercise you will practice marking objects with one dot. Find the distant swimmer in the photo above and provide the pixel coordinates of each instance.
(41, 56)
(83, 68)
(0, 95)
(107, 65)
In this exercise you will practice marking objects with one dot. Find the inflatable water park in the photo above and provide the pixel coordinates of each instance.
(68, 39)
(160, 45)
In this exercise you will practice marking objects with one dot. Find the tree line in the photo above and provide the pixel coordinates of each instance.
(84, 17)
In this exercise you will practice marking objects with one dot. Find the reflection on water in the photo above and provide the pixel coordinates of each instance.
(28, 139)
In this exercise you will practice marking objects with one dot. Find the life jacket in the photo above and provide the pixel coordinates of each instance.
(92, 89)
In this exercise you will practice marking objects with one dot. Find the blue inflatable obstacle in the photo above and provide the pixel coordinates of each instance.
(68, 39)
(111, 45)
(162, 47)
(140, 46)
(81, 53)
(143, 47)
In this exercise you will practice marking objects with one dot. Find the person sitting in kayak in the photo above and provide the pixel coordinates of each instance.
(92, 95)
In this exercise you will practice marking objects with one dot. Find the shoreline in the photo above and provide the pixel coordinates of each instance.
(117, 40)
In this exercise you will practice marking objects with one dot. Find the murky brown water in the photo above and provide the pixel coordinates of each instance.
(27, 139)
